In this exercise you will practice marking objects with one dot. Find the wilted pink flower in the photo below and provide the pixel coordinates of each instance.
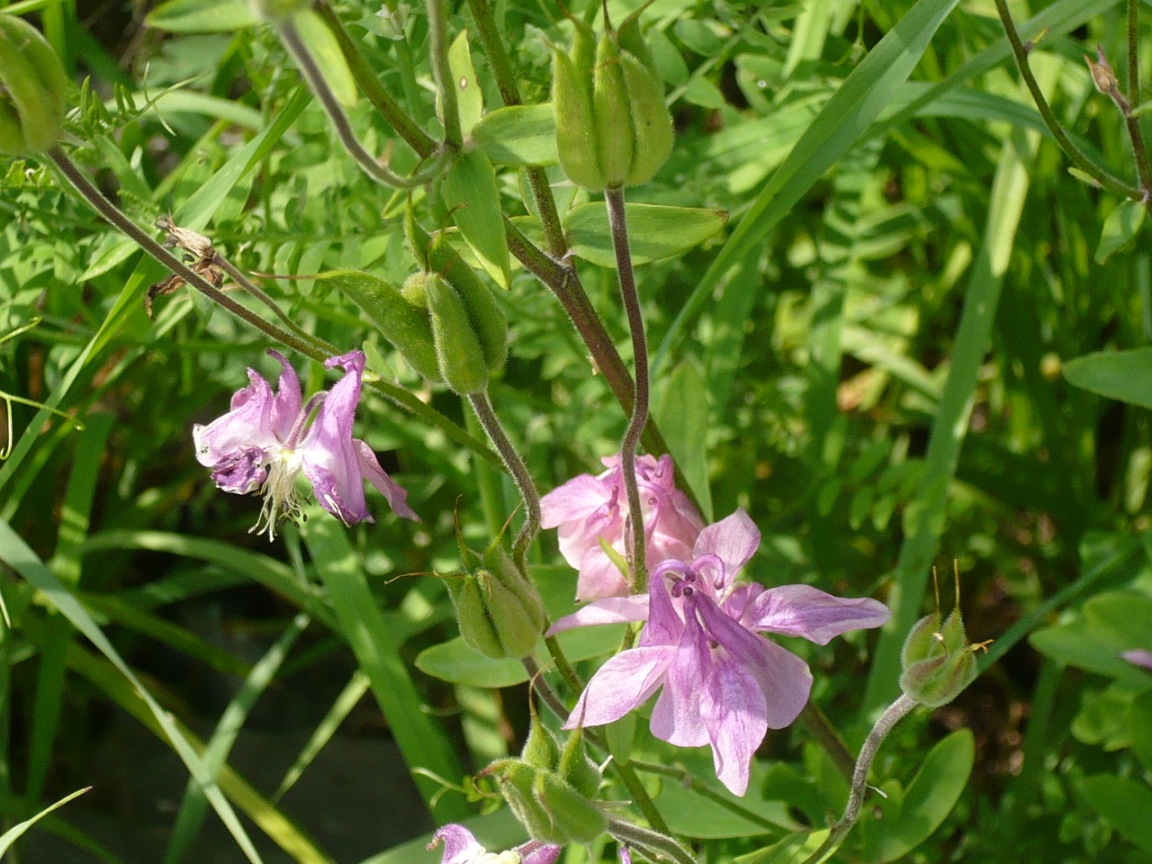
(265, 441)
(1138, 657)
(460, 847)
(722, 683)
(589, 510)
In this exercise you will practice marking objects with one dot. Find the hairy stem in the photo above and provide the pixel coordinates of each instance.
(655, 845)
(519, 471)
(617, 221)
(1074, 154)
(371, 166)
(892, 715)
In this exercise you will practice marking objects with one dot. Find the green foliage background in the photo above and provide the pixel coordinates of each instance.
(869, 359)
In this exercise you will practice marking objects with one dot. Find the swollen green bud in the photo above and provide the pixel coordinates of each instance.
(612, 126)
(517, 783)
(540, 748)
(938, 661)
(575, 768)
(33, 86)
(489, 326)
(574, 818)
(403, 322)
(498, 609)
(458, 352)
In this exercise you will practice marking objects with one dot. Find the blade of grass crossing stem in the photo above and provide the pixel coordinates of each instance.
(17, 555)
(425, 747)
(847, 116)
(194, 807)
(349, 697)
(275, 825)
(50, 675)
(925, 514)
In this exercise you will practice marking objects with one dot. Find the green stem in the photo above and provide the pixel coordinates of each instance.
(656, 846)
(895, 712)
(370, 85)
(618, 222)
(827, 737)
(442, 73)
(1143, 167)
(512, 460)
(567, 672)
(1081, 161)
(690, 781)
(371, 166)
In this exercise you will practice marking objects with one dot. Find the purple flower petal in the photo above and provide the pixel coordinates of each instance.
(623, 683)
(247, 425)
(1138, 657)
(460, 846)
(393, 492)
(801, 610)
(610, 610)
(733, 540)
(537, 852)
(286, 406)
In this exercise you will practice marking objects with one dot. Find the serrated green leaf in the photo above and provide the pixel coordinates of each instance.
(654, 231)
(470, 192)
(1122, 375)
(518, 135)
(200, 16)
(1121, 226)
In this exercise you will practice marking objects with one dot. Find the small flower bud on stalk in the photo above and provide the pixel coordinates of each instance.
(497, 607)
(612, 126)
(937, 658)
(33, 85)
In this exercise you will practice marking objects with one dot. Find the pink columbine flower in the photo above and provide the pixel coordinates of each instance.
(1138, 657)
(721, 682)
(589, 510)
(460, 847)
(265, 441)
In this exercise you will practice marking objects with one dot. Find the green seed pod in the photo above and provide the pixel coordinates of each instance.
(540, 748)
(33, 86)
(611, 105)
(499, 610)
(576, 769)
(938, 660)
(458, 352)
(404, 323)
(632, 41)
(517, 782)
(574, 818)
(651, 121)
(575, 125)
(489, 325)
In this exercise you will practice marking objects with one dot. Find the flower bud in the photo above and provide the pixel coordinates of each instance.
(517, 782)
(33, 85)
(458, 352)
(486, 320)
(498, 609)
(612, 126)
(938, 661)
(573, 817)
(540, 748)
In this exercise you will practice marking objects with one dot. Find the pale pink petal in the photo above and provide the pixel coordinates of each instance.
(801, 610)
(577, 499)
(610, 610)
(286, 406)
(733, 540)
(678, 716)
(392, 491)
(538, 852)
(623, 683)
(1138, 657)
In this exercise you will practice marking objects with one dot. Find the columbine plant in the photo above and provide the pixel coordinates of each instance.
(266, 440)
